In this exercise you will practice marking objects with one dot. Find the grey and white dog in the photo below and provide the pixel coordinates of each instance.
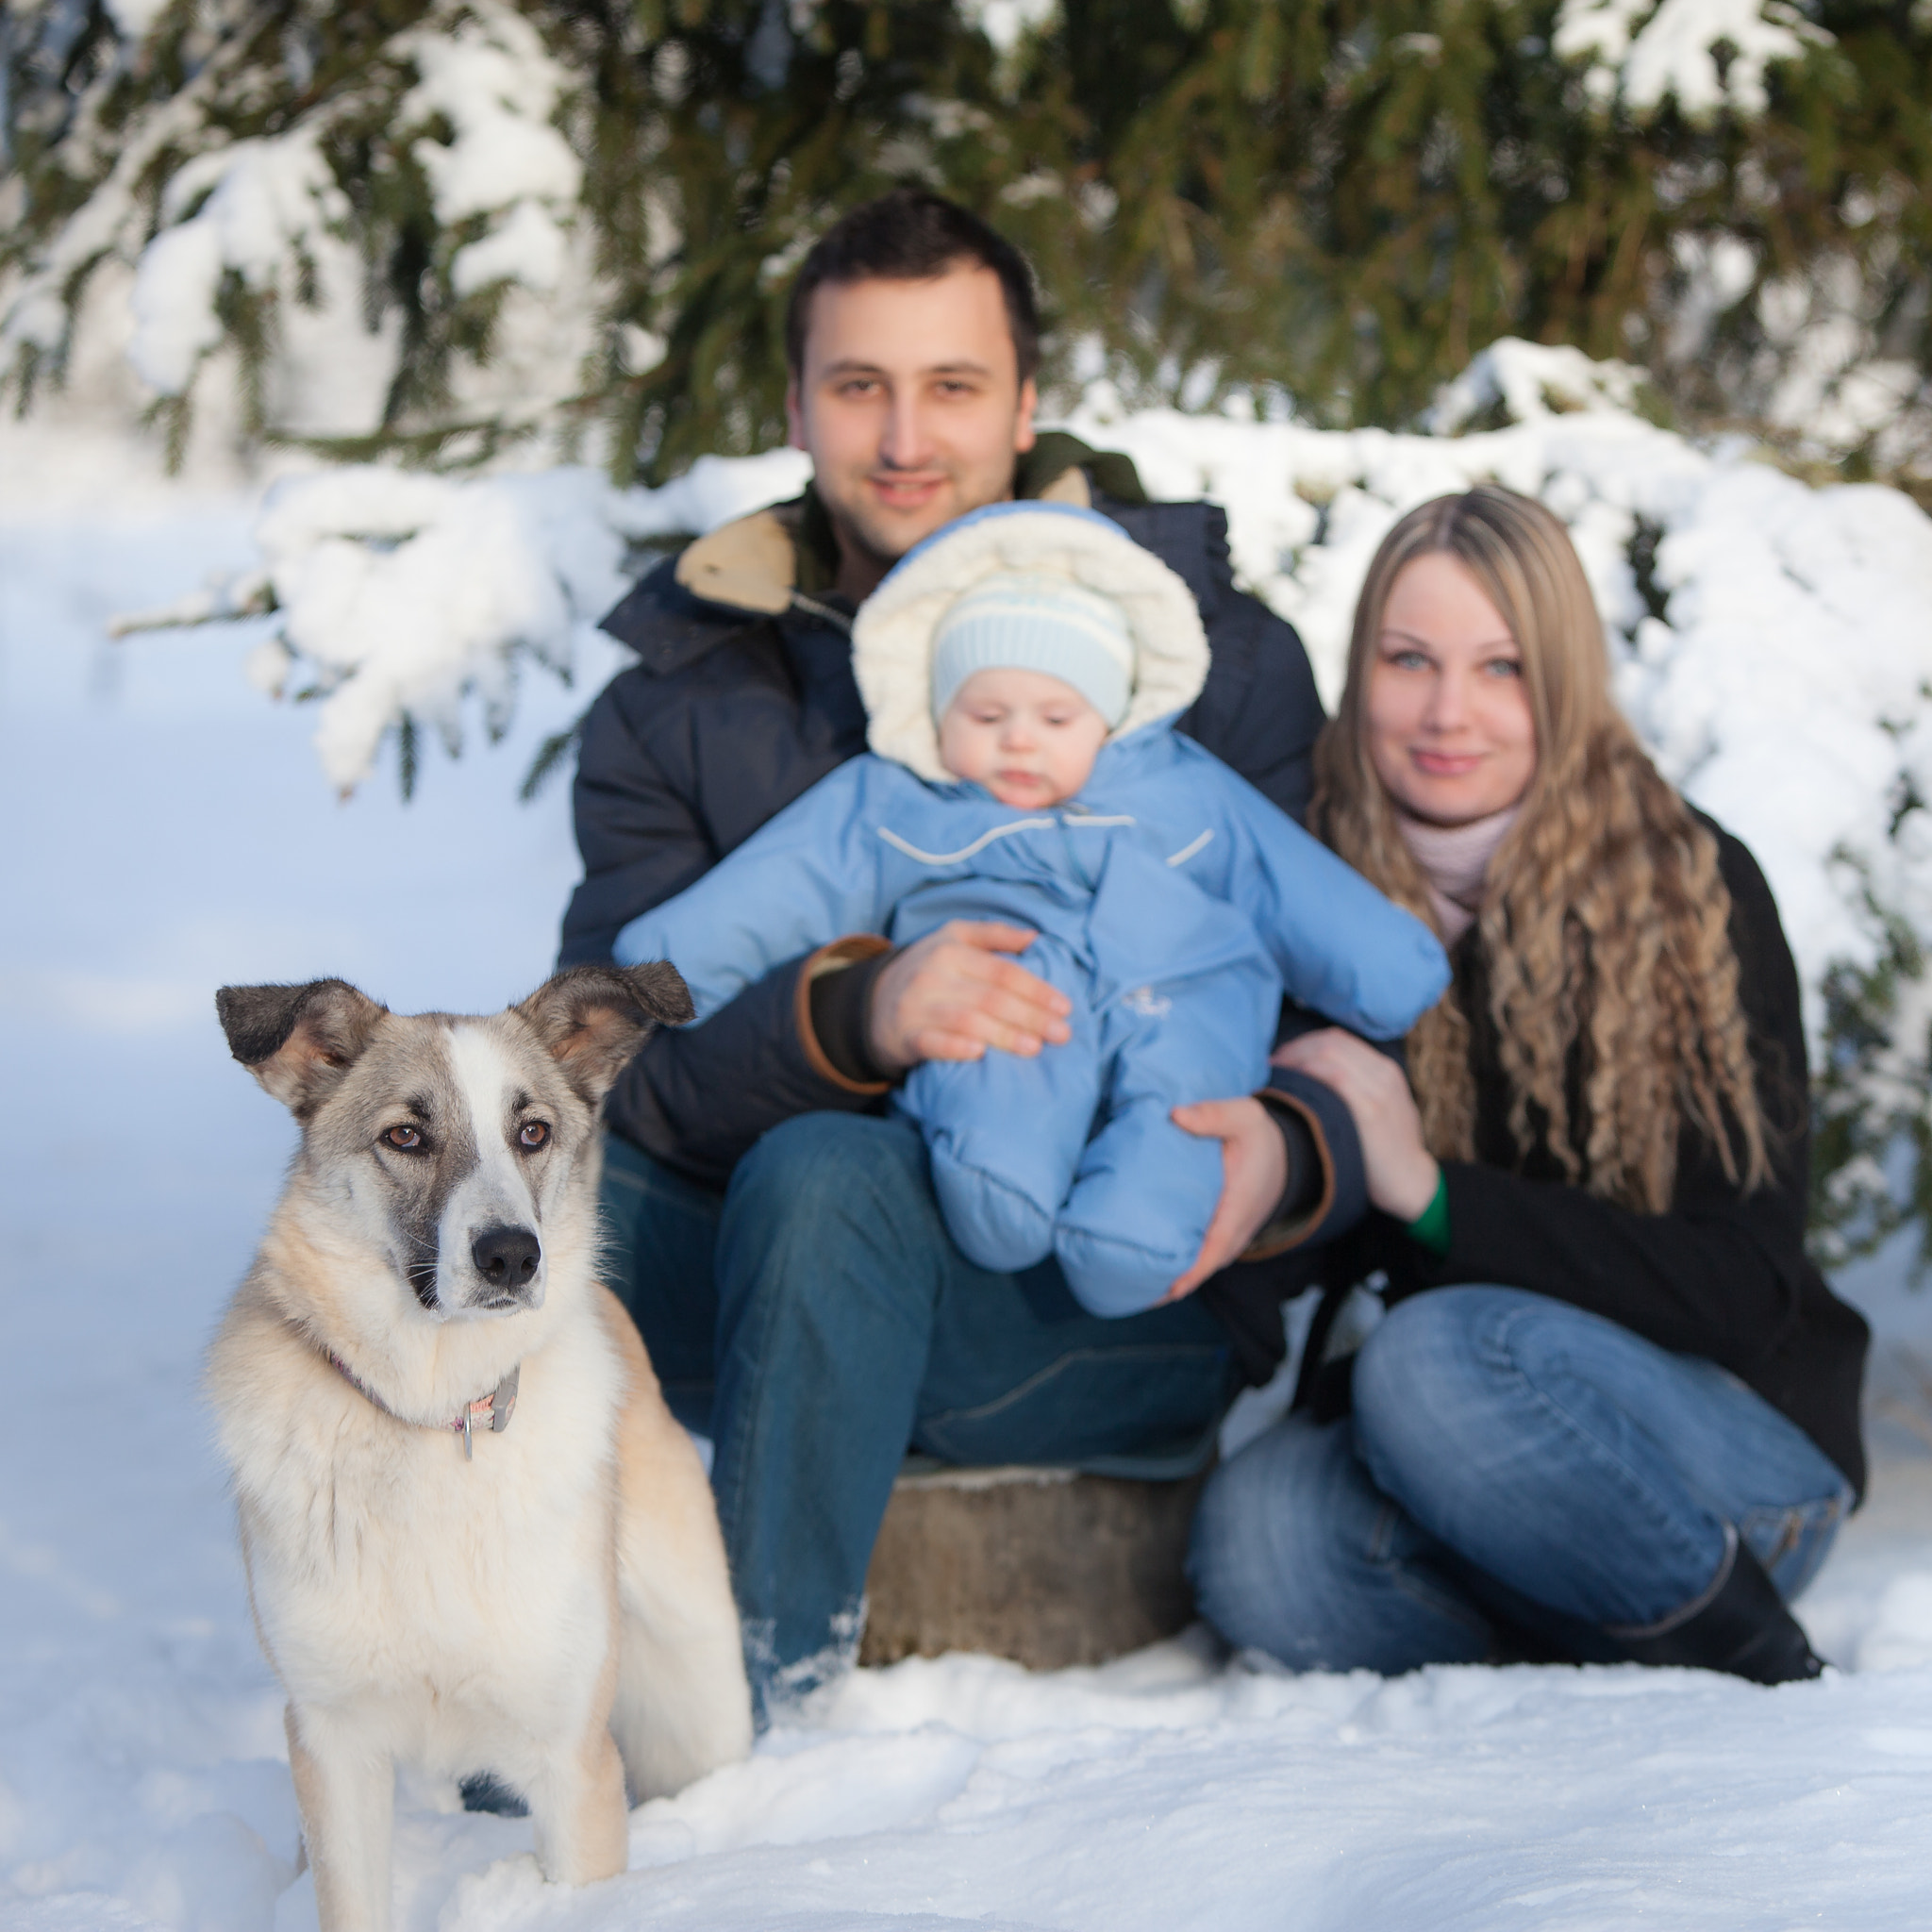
(475, 1538)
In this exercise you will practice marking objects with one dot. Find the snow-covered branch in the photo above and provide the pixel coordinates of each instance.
(1704, 55)
(266, 245)
(402, 596)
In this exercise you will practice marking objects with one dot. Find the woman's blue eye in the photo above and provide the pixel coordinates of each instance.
(1503, 667)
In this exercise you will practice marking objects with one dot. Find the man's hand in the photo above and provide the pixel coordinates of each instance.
(1254, 1170)
(951, 995)
(1400, 1172)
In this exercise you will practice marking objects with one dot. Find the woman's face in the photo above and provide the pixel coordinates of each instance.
(1450, 731)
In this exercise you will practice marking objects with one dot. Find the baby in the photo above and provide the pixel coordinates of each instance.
(1021, 671)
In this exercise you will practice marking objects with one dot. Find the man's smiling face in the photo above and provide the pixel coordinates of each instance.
(910, 405)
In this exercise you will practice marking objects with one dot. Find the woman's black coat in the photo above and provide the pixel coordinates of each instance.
(1724, 1274)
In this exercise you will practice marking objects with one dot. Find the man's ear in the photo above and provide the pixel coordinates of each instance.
(794, 414)
(298, 1040)
(593, 1018)
(1024, 434)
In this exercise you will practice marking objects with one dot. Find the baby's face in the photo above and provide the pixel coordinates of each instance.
(1027, 738)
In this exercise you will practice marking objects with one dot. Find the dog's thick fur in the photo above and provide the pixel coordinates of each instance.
(555, 1611)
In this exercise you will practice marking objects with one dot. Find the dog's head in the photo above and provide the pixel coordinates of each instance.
(453, 1145)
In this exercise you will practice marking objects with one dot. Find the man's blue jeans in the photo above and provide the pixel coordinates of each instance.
(1517, 1479)
(848, 1329)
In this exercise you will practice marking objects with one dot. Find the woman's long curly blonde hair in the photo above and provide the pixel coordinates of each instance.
(1612, 981)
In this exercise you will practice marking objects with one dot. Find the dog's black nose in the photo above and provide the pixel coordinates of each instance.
(506, 1257)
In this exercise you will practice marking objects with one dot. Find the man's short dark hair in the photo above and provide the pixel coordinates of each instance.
(911, 235)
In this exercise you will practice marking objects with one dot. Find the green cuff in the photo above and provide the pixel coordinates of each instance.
(1430, 1228)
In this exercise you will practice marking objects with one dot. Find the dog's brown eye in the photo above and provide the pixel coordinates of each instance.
(408, 1138)
(533, 1135)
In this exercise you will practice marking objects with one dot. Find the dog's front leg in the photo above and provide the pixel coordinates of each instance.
(577, 1809)
(346, 1792)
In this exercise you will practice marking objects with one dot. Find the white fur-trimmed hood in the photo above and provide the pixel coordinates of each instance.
(892, 637)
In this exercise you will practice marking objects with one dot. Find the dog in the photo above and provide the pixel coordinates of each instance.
(475, 1538)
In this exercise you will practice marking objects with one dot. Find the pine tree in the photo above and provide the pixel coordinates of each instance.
(1333, 201)
(1348, 200)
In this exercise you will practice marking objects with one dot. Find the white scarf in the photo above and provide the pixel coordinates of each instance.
(1455, 862)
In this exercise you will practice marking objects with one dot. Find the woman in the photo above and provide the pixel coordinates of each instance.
(1611, 1409)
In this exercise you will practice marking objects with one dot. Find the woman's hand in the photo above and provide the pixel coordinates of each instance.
(1401, 1173)
(1253, 1175)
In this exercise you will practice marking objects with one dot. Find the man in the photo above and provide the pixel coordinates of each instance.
(778, 1241)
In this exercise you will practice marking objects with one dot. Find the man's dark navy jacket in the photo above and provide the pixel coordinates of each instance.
(743, 697)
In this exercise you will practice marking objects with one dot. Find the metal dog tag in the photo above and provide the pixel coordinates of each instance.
(503, 1405)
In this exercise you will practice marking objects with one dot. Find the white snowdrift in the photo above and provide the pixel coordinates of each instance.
(1167, 1793)
(1784, 684)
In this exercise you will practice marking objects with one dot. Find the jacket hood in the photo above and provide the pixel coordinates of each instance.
(892, 637)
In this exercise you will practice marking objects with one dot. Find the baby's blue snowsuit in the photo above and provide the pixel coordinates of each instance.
(1173, 904)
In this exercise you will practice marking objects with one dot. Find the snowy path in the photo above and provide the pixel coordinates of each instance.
(174, 833)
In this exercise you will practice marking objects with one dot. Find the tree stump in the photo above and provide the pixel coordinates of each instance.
(1046, 1566)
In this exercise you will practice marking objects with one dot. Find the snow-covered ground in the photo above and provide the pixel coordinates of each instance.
(172, 832)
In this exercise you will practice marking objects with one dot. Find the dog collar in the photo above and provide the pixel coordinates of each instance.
(493, 1410)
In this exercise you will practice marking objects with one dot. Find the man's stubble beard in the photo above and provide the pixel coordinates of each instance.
(881, 545)
(880, 549)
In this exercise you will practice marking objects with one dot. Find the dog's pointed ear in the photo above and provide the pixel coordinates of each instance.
(593, 1018)
(298, 1040)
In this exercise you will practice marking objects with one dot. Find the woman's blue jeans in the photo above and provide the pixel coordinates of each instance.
(817, 1321)
(1519, 1478)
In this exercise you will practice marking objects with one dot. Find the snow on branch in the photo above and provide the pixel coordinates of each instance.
(258, 206)
(499, 88)
(1706, 55)
(209, 225)
(404, 596)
